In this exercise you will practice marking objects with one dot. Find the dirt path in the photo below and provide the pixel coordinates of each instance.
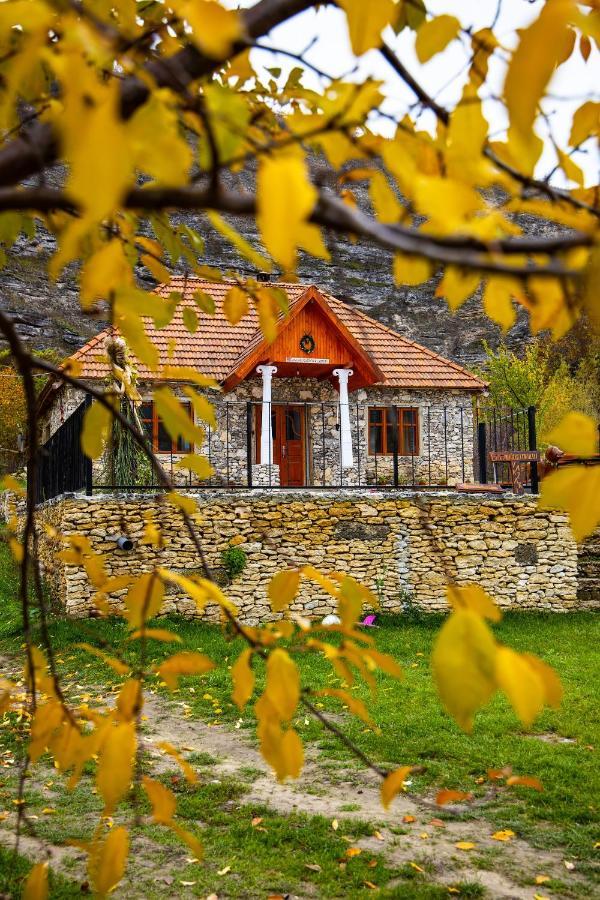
(410, 833)
(321, 791)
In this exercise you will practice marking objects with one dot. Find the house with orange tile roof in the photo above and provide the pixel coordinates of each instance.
(337, 399)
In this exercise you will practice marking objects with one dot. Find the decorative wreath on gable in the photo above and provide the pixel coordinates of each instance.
(307, 343)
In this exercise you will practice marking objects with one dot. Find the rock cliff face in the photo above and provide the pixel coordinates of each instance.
(48, 314)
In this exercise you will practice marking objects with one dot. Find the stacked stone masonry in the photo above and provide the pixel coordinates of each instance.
(404, 546)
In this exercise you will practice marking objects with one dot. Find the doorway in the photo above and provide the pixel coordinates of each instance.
(289, 448)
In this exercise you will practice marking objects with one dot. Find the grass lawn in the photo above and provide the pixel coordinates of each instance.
(414, 730)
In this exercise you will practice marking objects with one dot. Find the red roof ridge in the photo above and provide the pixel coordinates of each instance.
(401, 337)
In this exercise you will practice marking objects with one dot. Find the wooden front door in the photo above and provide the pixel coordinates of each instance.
(287, 424)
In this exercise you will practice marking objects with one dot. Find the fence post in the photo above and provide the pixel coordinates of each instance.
(88, 465)
(482, 452)
(392, 413)
(535, 482)
(249, 441)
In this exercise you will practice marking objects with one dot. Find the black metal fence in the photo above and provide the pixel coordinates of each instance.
(62, 467)
(504, 430)
(429, 446)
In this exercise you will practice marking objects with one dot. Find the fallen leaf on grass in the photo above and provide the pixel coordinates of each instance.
(540, 897)
(372, 863)
(256, 821)
(506, 835)
(49, 811)
(438, 823)
(353, 851)
(527, 781)
(447, 796)
(370, 884)
(569, 866)
(423, 835)
(314, 867)
(408, 819)
(378, 836)
(464, 845)
(224, 871)
(187, 883)
(335, 824)
(416, 867)
(542, 879)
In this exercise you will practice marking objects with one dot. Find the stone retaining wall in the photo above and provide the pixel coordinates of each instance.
(403, 545)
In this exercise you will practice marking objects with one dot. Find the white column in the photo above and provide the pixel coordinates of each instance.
(347, 458)
(266, 435)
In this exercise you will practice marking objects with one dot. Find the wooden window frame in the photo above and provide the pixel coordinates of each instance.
(403, 428)
(177, 446)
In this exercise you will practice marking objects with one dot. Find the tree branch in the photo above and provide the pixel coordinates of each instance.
(331, 212)
(39, 145)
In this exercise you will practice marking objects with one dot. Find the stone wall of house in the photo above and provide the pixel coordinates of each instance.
(404, 546)
(445, 445)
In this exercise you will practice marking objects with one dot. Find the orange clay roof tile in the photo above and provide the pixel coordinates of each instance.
(218, 348)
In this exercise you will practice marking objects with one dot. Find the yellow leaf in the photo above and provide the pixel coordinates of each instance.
(542, 879)
(130, 699)
(498, 298)
(473, 597)
(186, 504)
(553, 691)
(215, 29)
(190, 319)
(107, 862)
(267, 315)
(104, 271)
(96, 149)
(176, 418)
(115, 767)
(285, 198)
(521, 684)
(366, 21)
(120, 667)
(504, 835)
(355, 705)
(162, 799)
(96, 426)
(203, 408)
(283, 683)
(10, 483)
(576, 434)
(457, 285)
(281, 749)
(527, 781)
(187, 769)
(143, 599)
(282, 588)
(36, 886)
(326, 583)
(586, 123)
(187, 373)
(243, 678)
(570, 168)
(447, 796)
(156, 141)
(235, 305)
(533, 63)
(465, 845)
(185, 663)
(576, 489)
(188, 838)
(156, 634)
(258, 260)
(434, 36)
(393, 784)
(464, 665)
(196, 463)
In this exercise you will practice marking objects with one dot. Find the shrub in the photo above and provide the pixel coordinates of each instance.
(233, 561)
